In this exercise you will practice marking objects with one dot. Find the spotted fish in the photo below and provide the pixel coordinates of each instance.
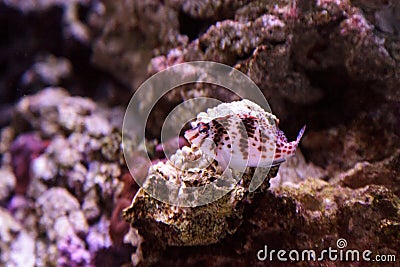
(242, 140)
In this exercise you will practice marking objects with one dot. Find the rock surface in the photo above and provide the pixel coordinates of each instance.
(313, 215)
(16, 245)
(67, 161)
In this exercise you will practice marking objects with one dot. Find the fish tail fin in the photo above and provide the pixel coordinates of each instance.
(287, 149)
(292, 146)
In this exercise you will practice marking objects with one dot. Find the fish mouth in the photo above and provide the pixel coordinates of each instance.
(191, 134)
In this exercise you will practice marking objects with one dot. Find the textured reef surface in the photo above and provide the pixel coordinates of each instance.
(70, 67)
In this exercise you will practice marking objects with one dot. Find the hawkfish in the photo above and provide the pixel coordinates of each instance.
(243, 140)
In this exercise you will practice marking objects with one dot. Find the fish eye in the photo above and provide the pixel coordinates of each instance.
(203, 128)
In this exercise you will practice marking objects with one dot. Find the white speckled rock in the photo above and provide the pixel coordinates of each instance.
(98, 236)
(97, 125)
(58, 207)
(43, 168)
(7, 183)
(16, 246)
(90, 205)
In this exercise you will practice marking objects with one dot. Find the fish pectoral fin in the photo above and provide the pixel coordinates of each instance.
(278, 162)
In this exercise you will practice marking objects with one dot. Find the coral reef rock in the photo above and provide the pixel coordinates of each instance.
(7, 184)
(62, 157)
(162, 224)
(16, 245)
(311, 216)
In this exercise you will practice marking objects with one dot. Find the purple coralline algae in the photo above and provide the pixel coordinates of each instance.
(63, 184)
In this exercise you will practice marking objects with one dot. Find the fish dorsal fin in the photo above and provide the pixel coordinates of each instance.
(300, 134)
